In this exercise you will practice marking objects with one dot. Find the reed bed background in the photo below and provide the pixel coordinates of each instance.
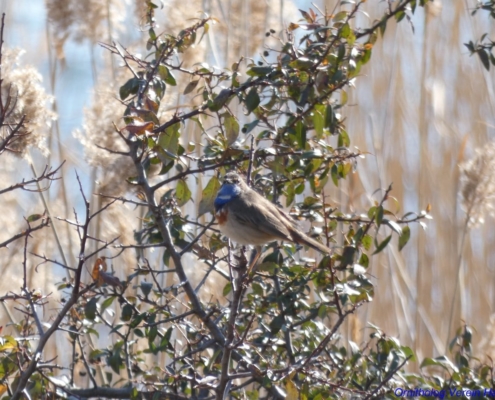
(421, 108)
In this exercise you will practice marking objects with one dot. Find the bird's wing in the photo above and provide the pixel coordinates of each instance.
(254, 210)
(295, 234)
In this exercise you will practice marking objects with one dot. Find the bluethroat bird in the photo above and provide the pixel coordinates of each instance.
(248, 218)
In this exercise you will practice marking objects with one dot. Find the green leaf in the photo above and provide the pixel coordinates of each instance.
(345, 31)
(290, 194)
(413, 6)
(252, 100)
(231, 129)
(383, 26)
(364, 261)
(191, 86)
(259, 71)
(90, 309)
(340, 16)
(257, 289)
(344, 140)
(302, 63)
(206, 28)
(330, 119)
(130, 87)
(319, 119)
(8, 343)
(166, 75)
(301, 134)
(134, 393)
(483, 55)
(268, 266)
(372, 212)
(379, 215)
(227, 289)
(335, 175)
(137, 320)
(107, 303)
(249, 127)
(367, 241)
(169, 142)
(167, 164)
(400, 15)
(348, 256)
(165, 342)
(441, 361)
(408, 353)
(382, 245)
(366, 56)
(343, 98)
(159, 88)
(115, 360)
(300, 188)
(152, 34)
(341, 52)
(276, 324)
(34, 217)
(277, 165)
(208, 197)
(153, 333)
(182, 193)
(126, 313)
(220, 100)
(146, 288)
(404, 237)
(358, 236)
(393, 225)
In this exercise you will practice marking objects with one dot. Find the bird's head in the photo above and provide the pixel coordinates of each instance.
(233, 185)
(233, 178)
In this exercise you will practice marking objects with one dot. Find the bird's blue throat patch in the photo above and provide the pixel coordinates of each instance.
(225, 194)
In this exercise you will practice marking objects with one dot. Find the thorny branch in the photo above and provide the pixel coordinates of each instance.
(79, 289)
(44, 223)
(47, 174)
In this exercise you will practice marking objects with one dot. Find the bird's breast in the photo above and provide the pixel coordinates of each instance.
(221, 216)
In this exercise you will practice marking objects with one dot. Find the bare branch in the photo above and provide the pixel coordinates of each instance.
(44, 223)
(47, 174)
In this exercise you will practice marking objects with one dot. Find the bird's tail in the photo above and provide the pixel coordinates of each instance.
(301, 238)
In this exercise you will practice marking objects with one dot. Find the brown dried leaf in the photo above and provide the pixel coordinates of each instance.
(138, 127)
(293, 26)
(150, 105)
(99, 267)
(141, 196)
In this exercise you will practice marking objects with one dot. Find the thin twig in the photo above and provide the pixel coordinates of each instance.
(44, 223)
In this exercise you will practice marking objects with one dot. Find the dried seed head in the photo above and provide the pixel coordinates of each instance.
(89, 19)
(26, 97)
(478, 184)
